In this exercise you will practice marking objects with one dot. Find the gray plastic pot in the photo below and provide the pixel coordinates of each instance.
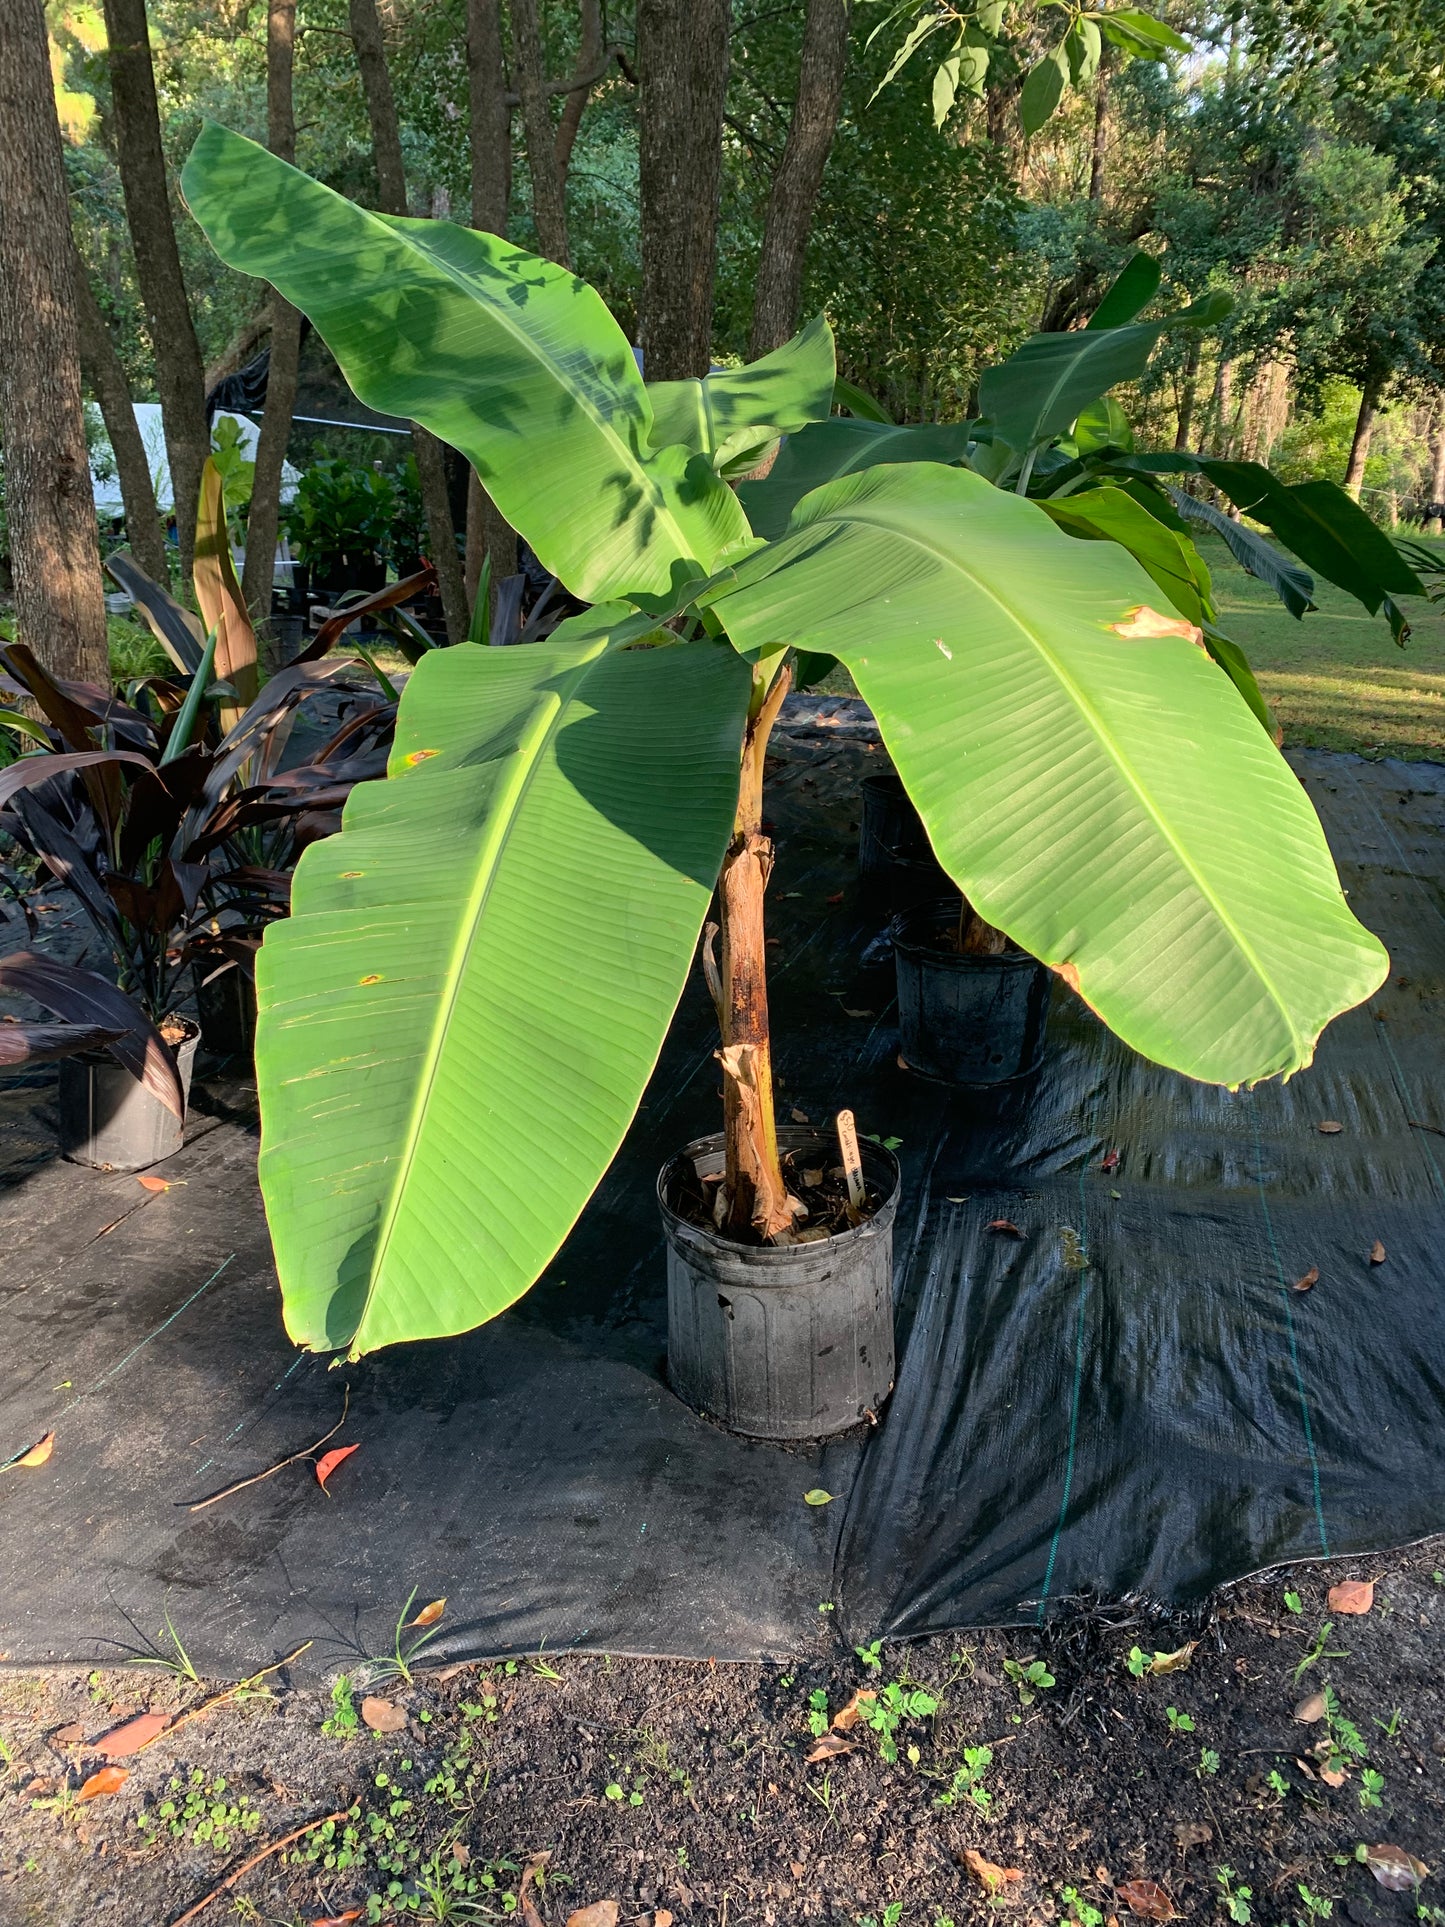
(781, 1341)
(966, 1020)
(226, 1006)
(110, 1120)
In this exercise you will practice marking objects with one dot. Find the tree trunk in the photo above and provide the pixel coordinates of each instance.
(1435, 514)
(1099, 156)
(682, 58)
(490, 126)
(102, 368)
(1360, 446)
(549, 209)
(800, 175)
(59, 602)
(589, 61)
(282, 371)
(756, 1204)
(180, 377)
(391, 193)
(1189, 394)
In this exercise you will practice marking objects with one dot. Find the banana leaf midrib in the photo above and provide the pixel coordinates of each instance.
(1110, 748)
(656, 496)
(542, 732)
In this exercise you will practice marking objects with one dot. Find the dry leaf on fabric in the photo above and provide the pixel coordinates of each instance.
(1377, 1253)
(799, 1117)
(1309, 1280)
(992, 1878)
(148, 1183)
(818, 1496)
(329, 1461)
(847, 1717)
(829, 1747)
(1005, 1227)
(1311, 1711)
(1394, 1868)
(110, 1779)
(1351, 1596)
(131, 1737)
(36, 1454)
(382, 1716)
(1146, 1898)
(1331, 1127)
(429, 1615)
(1109, 1161)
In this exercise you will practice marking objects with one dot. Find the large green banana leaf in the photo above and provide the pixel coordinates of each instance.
(1111, 515)
(1102, 795)
(823, 451)
(734, 414)
(1044, 384)
(505, 356)
(460, 1014)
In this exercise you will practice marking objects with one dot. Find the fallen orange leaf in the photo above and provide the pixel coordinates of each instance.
(152, 1184)
(1006, 1226)
(1377, 1253)
(1351, 1596)
(382, 1716)
(110, 1779)
(1330, 1127)
(602, 1913)
(988, 1875)
(329, 1461)
(829, 1747)
(429, 1615)
(37, 1455)
(847, 1717)
(131, 1737)
(339, 1920)
(1146, 1898)
(1309, 1281)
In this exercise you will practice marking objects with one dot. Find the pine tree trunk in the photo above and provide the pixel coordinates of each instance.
(283, 368)
(59, 601)
(180, 376)
(1360, 446)
(682, 58)
(589, 61)
(799, 177)
(755, 1200)
(102, 369)
(549, 210)
(1433, 519)
(490, 128)
(391, 195)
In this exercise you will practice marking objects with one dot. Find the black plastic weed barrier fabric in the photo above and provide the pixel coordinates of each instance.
(1128, 1397)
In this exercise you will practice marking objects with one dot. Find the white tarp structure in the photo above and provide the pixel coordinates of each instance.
(148, 420)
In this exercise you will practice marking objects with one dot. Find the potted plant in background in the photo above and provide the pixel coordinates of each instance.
(340, 523)
(513, 912)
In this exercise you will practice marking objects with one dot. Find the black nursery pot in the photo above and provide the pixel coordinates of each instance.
(226, 1005)
(896, 864)
(110, 1120)
(781, 1341)
(966, 1020)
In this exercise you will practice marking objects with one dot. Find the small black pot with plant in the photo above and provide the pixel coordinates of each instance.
(972, 1006)
(340, 523)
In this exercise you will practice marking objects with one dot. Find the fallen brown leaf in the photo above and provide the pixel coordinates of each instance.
(994, 1879)
(795, 1868)
(1109, 1161)
(858, 1013)
(70, 1735)
(429, 1615)
(1329, 1128)
(1377, 1253)
(131, 1737)
(847, 1717)
(1311, 1711)
(829, 1747)
(37, 1454)
(1351, 1596)
(1175, 1662)
(662, 1918)
(148, 1183)
(1394, 1868)
(1146, 1898)
(1192, 1833)
(382, 1716)
(1309, 1281)
(338, 1920)
(530, 1916)
(799, 1117)
(1331, 1777)
(1005, 1226)
(110, 1779)
(329, 1461)
(602, 1913)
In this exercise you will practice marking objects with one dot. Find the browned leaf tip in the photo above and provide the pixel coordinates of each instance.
(993, 1878)
(1377, 1253)
(110, 1779)
(1146, 1898)
(131, 1737)
(829, 1747)
(1005, 1227)
(382, 1716)
(1309, 1281)
(1394, 1868)
(1351, 1596)
(1329, 1127)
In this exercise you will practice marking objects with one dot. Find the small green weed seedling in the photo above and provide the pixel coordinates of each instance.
(886, 1713)
(871, 1655)
(1078, 1910)
(1391, 1727)
(1316, 1906)
(200, 1810)
(1031, 1677)
(1138, 1664)
(179, 1664)
(1293, 1603)
(1208, 1763)
(1277, 1783)
(967, 1784)
(1372, 1785)
(397, 1664)
(891, 1916)
(1234, 1899)
(817, 1712)
(1319, 1651)
(342, 1722)
(1346, 1746)
(1178, 1722)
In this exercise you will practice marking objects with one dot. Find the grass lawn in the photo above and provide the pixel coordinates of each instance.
(1336, 680)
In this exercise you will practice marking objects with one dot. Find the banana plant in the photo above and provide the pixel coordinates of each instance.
(459, 1017)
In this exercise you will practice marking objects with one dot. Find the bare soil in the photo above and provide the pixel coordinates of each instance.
(683, 1791)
